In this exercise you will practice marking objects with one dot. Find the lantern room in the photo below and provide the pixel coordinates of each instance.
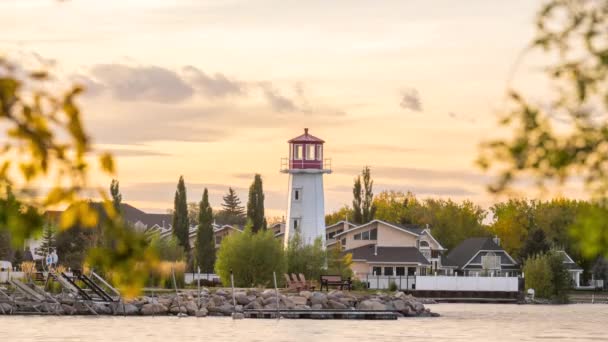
(305, 152)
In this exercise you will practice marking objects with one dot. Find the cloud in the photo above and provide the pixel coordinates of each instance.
(142, 83)
(277, 102)
(415, 189)
(424, 174)
(216, 85)
(459, 117)
(126, 152)
(373, 148)
(410, 100)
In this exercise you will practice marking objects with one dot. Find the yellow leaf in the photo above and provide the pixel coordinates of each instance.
(107, 163)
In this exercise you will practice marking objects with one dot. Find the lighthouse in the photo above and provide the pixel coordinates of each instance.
(305, 199)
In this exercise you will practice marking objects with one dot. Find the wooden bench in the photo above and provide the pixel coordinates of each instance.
(335, 280)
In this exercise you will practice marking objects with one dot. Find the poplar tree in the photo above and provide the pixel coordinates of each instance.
(48, 240)
(116, 195)
(205, 244)
(255, 205)
(364, 209)
(181, 223)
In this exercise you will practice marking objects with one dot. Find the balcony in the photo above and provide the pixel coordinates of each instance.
(305, 166)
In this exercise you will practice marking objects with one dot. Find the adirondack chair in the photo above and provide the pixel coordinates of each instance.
(290, 284)
(308, 285)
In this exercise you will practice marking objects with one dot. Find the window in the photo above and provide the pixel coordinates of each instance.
(297, 194)
(343, 243)
(310, 152)
(490, 261)
(331, 235)
(400, 270)
(365, 235)
(218, 240)
(376, 270)
(411, 271)
(373, 234)
(339, 231)
(358, 236)
(298, 151)
(296, 224)
(424, 244)
(319, 152)
(388, 271)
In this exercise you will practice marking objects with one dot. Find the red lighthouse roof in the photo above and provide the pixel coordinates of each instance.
(306, 138)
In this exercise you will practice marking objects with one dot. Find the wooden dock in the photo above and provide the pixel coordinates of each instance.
(322, 314)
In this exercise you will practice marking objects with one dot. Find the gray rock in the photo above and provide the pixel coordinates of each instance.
(299, 300)
(126, 309)
(318, 298)
(336, 305)
(316, 306)
(224, 309)
(305, 294)
(5, 308)
(222, 293)
(218, 300)
(288, 303)
(371, 305)
(268, 293)
(153, 309)
(67, 309)
(102, 309)
(255, 305)
(302, 307)
(201, 313)
(191, 308)
(271, 306)
(399, 295)
(242, 298)
(178, 309)
(270, 300)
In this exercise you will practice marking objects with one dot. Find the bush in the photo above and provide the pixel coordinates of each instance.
(252, 258)
(359, 285)
(309, 260)
(547, 275)
(392, 286)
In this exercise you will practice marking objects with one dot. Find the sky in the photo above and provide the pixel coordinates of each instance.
(212, 90)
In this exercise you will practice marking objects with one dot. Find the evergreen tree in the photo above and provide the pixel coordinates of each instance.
(255, 205)
(48, 240)
(181, 224)
(116, 195)
(232, 206)
(6, 251)
(205, 244)
(536, 243)
(364, 209)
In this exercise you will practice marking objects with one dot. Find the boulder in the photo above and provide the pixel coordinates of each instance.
(288, 303)
(126, 309)
(178, 309)
(243, 299)
(399, 295)
(166, 301)
(201, 313)
(302, 307)
(67, 309)
(191, 308)
(268, 293)
(102, 309)
(152, 309)
(271, 306)
(222, 293)
(5, 308)
(371, 305)
(336, 305)
(318, 298)
(299, 300)
(218, 300)
(255, 305)
(316, 306)
(306, 294)
(224, 309)
(270, 300)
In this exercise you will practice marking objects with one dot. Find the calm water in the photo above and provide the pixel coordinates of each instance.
(460, 322)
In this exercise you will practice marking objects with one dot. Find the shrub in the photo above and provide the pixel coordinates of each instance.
(547, 275)
(252, 257)
(309, 260)
(392, 286)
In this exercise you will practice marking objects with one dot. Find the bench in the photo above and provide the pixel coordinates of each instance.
(335, 280)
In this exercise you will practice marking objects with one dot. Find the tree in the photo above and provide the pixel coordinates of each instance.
(536, 243)
(46, 143)
(193, 213)
(6, 250)
(232, 211)
(344, 213)
(181, 224)
(205, 243)
(255, 205)
(251, 257)
(339, 262)
(573, 34)
(116, 195)
(309, 260)
(48, 240)
(547, 275)
(363, 198)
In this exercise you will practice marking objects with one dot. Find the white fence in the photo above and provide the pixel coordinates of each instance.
(192, 277)
(445, 283)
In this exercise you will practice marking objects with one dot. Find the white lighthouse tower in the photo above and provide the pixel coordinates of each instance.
(305, 199)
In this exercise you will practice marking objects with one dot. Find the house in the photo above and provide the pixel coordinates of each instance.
(574, 270)
(278, 229)
(220, 233)
(336, 228)
(479, 256)
(383, 248)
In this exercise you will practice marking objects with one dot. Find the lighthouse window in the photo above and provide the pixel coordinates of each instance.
(296, 224)
(298, 151)
(310, 152)
(297, 194)
(319, 152)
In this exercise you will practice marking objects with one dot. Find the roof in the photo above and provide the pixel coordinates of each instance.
(468, 248)
(409, 228)
(306, 138)
(388, 254)
(569, 262)
(350, 224)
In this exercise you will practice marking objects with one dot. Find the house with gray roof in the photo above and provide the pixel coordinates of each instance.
(478, 256)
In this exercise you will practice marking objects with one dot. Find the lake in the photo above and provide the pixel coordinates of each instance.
(459, 322)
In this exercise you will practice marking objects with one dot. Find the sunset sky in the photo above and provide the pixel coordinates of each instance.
(212, 90)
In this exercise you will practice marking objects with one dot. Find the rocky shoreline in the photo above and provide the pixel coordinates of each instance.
(219, 303)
